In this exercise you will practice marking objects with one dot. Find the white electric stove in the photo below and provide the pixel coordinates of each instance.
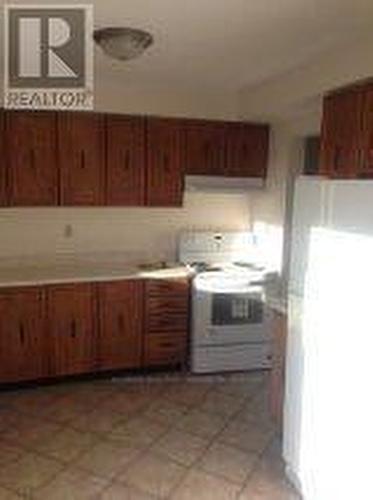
(230, 320)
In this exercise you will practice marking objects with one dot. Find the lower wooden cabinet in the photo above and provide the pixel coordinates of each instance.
(277, 380)
(61, 330)
(23, 344)
(121, 324)
(72, 329)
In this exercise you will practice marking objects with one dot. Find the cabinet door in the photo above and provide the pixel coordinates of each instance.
(81, 158)
(204, 148)
(125, 160)
(121, 324)
(341, 134)
(3, 163)
(277, 379)
(71, 322)
(365, 169)
(247, 150)
(164, 170)
(31, 157)
(167, 306)
(22, 335)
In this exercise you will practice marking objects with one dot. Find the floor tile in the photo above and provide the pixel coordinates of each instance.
(30, 472)
(67, 445)
(189, 393)
(28, 430)
(205, 486)
(165, 412)
(251, 438)
(153, 474)
(121, 492)
(138, 430)
(66, 410)
(8, 495)
(202, 424)
(221, 404)
(181, 446)
(226, 461)
(9, 453)
(72, 485)
(107, 458)
(101, 420)
(128, 404)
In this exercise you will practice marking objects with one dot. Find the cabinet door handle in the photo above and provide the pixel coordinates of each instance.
(73, 329)
(21, 333)
(82, 159)
(32, 159)
(166, 162)
(120, 322)
(127, 160)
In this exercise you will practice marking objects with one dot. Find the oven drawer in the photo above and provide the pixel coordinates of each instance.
(164, 349)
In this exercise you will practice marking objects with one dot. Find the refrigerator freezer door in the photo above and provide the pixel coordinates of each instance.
(309, 211)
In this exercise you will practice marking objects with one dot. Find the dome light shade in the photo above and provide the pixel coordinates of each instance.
(122, 43)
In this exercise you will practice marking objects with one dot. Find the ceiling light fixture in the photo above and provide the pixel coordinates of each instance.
(122, 43)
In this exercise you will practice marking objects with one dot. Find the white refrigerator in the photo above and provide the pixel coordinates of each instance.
(328, 413)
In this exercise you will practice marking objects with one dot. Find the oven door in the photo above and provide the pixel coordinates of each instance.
(236, 318)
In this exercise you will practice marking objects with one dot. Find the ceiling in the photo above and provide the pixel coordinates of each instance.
(224, 45)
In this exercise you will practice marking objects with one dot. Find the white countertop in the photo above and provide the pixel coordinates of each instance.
(59, 271)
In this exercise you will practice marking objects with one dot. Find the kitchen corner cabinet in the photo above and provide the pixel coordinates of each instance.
(204, 148)
(164, 162)
(72, 322)
(81, 158)
(23, 345)
(246, 150)
(3, 169)
(121, 324)
(125, 160)
(31, 158)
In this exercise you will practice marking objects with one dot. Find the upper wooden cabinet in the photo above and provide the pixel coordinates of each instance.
(164, 162)
(72, 328)
(341, 133)
(125, 160)
(121, 324)
(3, 169)
(81, 156)
(30, 140)
(246, 150)
(204, 148)
(23, 347)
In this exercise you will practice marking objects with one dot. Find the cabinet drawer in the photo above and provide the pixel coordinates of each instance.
(165, 349)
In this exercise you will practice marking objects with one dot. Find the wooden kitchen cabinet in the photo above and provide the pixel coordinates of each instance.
(81, 158)
(30, 141)
(164, 162)
(365, 166)
(72, 323)
(23, 345)
(166, 322)
(121, 324)
(247, 148)
(341, 133)
(125, 160)
(204, 148)
(3, 163)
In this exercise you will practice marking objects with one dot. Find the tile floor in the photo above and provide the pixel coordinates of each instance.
(160, 437)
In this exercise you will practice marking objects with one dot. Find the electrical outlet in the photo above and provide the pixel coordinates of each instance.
(68, 231)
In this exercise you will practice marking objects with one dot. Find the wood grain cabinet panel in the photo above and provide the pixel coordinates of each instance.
(121, 324)
(277, 379)
(72, 312)
(167, 306)
(125, 160)
(341, 132)
(204, 148)
(23, 345)
(164, 163)
(365, 166)
(165, 349)
(30, 140)
(3, 163)
(81, 156)
(247, 150)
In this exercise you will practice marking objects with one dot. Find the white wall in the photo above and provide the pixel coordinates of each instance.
(141, 233)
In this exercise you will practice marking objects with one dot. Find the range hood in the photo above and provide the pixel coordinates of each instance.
(214, 183)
